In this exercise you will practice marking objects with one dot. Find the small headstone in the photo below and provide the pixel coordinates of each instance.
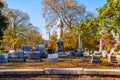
(3, 58)
(72, 53)
(86, 53)
(34, 56)
(112, 59)
(16, 57)
(41, 49)
(53, 57)
(26, 49)
(112, 51)
(104, 54)
(49, 51)
(95, 59)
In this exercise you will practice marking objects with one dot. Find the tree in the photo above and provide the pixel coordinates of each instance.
(3, 20)
(18, 27)
(34, 38)
(69, 10)
(52, 42)
(108, 41)
(89, 29)
(109, 16)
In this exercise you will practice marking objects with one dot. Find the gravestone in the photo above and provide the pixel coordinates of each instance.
(72, 53)
(86, 53)
(34, 56)
(80, 51)
(60, 43)
(112, 59)
(26, 49)
(41, 50)
(104, 54)
(16, 57)
(50, 51)
(52, 57)
(112, 51)
(96, 58)
(3, 58)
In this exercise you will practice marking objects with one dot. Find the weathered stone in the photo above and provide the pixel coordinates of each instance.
(52, 57)
(102, 72)
(3, 58)
(64, 71)
(104, 54)
(26, 49)
(95, 59)
(112, 59)
(41, 50)
(34, 56)
(16, 57)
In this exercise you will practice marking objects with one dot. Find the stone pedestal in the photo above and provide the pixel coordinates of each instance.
(60, 48)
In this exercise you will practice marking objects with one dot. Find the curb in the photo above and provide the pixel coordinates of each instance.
(60, 71)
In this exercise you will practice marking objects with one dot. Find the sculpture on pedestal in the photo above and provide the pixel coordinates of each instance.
(59, 42)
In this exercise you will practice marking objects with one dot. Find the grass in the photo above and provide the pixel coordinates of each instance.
(62, 63)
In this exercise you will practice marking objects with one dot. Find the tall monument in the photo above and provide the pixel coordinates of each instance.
(80, 51)
(59, 42)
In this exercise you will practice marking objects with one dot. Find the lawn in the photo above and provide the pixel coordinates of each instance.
(62, 63)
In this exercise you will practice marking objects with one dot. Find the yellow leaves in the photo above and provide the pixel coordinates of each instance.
(70, 4)
(49, 1)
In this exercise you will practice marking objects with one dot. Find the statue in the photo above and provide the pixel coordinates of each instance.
(59, 42)
(59, 28)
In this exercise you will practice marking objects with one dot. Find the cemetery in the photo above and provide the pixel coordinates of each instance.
(74, 44)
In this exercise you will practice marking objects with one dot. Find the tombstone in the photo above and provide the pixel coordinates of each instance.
(52, 57)
(26, 49)
(50, 51)
(60, 43)
(112, 51)
(80, 51)
(3, 58)
(86, 53)
(34, 56)
(95, 59)
(16, 57)
(112, 59)
(41, 50)
(11, 51)
(72, 53)
(104, 54)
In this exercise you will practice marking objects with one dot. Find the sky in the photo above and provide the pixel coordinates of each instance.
(34, 9)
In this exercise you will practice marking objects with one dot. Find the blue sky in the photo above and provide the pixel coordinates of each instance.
(34, 9)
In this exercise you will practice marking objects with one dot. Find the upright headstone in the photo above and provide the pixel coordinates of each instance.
(16, 57)
(60, 43)
(26, 49)
(86, 53)
(80, 51)
(41, 50)
(104, 54)
(3, 58)
(95, 59)
(112, 51)
(112, 59)
(52, 57)
(34, 56)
